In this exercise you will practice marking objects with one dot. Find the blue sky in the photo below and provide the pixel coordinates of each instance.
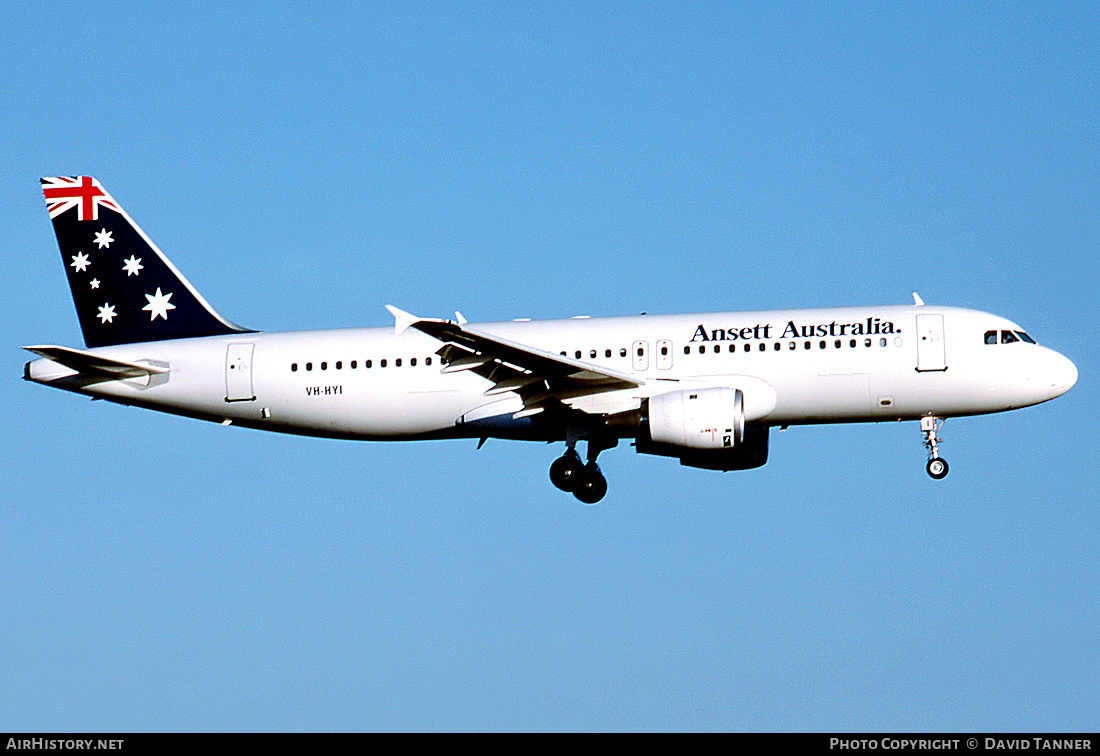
(304, 165)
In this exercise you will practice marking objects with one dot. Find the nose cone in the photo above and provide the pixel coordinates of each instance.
(1043, 375)
(1061, 374)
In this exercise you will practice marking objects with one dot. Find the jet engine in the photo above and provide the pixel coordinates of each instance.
(712, 418)
(705, 428)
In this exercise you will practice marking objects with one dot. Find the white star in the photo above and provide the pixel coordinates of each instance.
(107, 313)
(80, 262)
(103, 238)
(132, 266)
(158, 305)
(95, 283)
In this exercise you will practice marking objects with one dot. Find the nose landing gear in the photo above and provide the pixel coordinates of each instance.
(937, 465)
(584, 481)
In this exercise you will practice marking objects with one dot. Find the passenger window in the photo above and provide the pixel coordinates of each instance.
(427, 360)
(717, 348)
(622, 352)
(838, 343)
(324, 366)
(822, 344)
(808, 345)
(664, 352)
(578, 354)
(852, 343)
(339, 364)
(990, 337)
(294, 367)
(687, 350)
(412, 362)
(354, 364)
(778, 346)
(397, 362)
(607, 353)
(592, 354)
(763, 347)
(702, 350)
(866, 342)
(641, 352)
(366, 363)
(793, 346)
(882, 342)
(1008, 337)
(309, 366)
(748, 347)
(381, 363)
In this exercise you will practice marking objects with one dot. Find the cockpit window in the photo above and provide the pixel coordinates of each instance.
(1008, 337)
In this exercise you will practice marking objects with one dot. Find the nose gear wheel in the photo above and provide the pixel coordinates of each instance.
(937, 465)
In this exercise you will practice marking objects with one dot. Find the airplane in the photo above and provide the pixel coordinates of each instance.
(705, 388)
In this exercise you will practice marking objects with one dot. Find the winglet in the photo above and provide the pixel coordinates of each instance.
(402, 319)
(917, 300)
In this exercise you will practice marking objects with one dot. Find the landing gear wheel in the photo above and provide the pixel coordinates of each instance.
(591, 486)
(937, 465)
(566, 471)
(937, 468)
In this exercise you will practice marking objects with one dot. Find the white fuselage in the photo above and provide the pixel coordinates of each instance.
(795, 366)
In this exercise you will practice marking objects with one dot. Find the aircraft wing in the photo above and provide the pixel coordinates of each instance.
(536, 375)
(89, 363)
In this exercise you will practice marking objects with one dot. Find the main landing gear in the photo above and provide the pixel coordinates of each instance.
(937, 465)
(585, 481)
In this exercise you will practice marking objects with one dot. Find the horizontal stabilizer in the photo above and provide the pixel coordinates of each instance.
(89, 363)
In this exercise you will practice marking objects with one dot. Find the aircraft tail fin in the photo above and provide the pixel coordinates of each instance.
(124, 288)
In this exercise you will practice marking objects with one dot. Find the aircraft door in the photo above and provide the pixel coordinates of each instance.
(664, 354)
(238, 373)
(930, 345)
(640, 351)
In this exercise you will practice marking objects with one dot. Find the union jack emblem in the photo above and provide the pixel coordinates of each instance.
(82, 192)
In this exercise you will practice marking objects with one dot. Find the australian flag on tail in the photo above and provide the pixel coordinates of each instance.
(125, 290)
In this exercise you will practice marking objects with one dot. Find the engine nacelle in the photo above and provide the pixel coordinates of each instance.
(751, 452)
(707, 428)
(710, 418)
